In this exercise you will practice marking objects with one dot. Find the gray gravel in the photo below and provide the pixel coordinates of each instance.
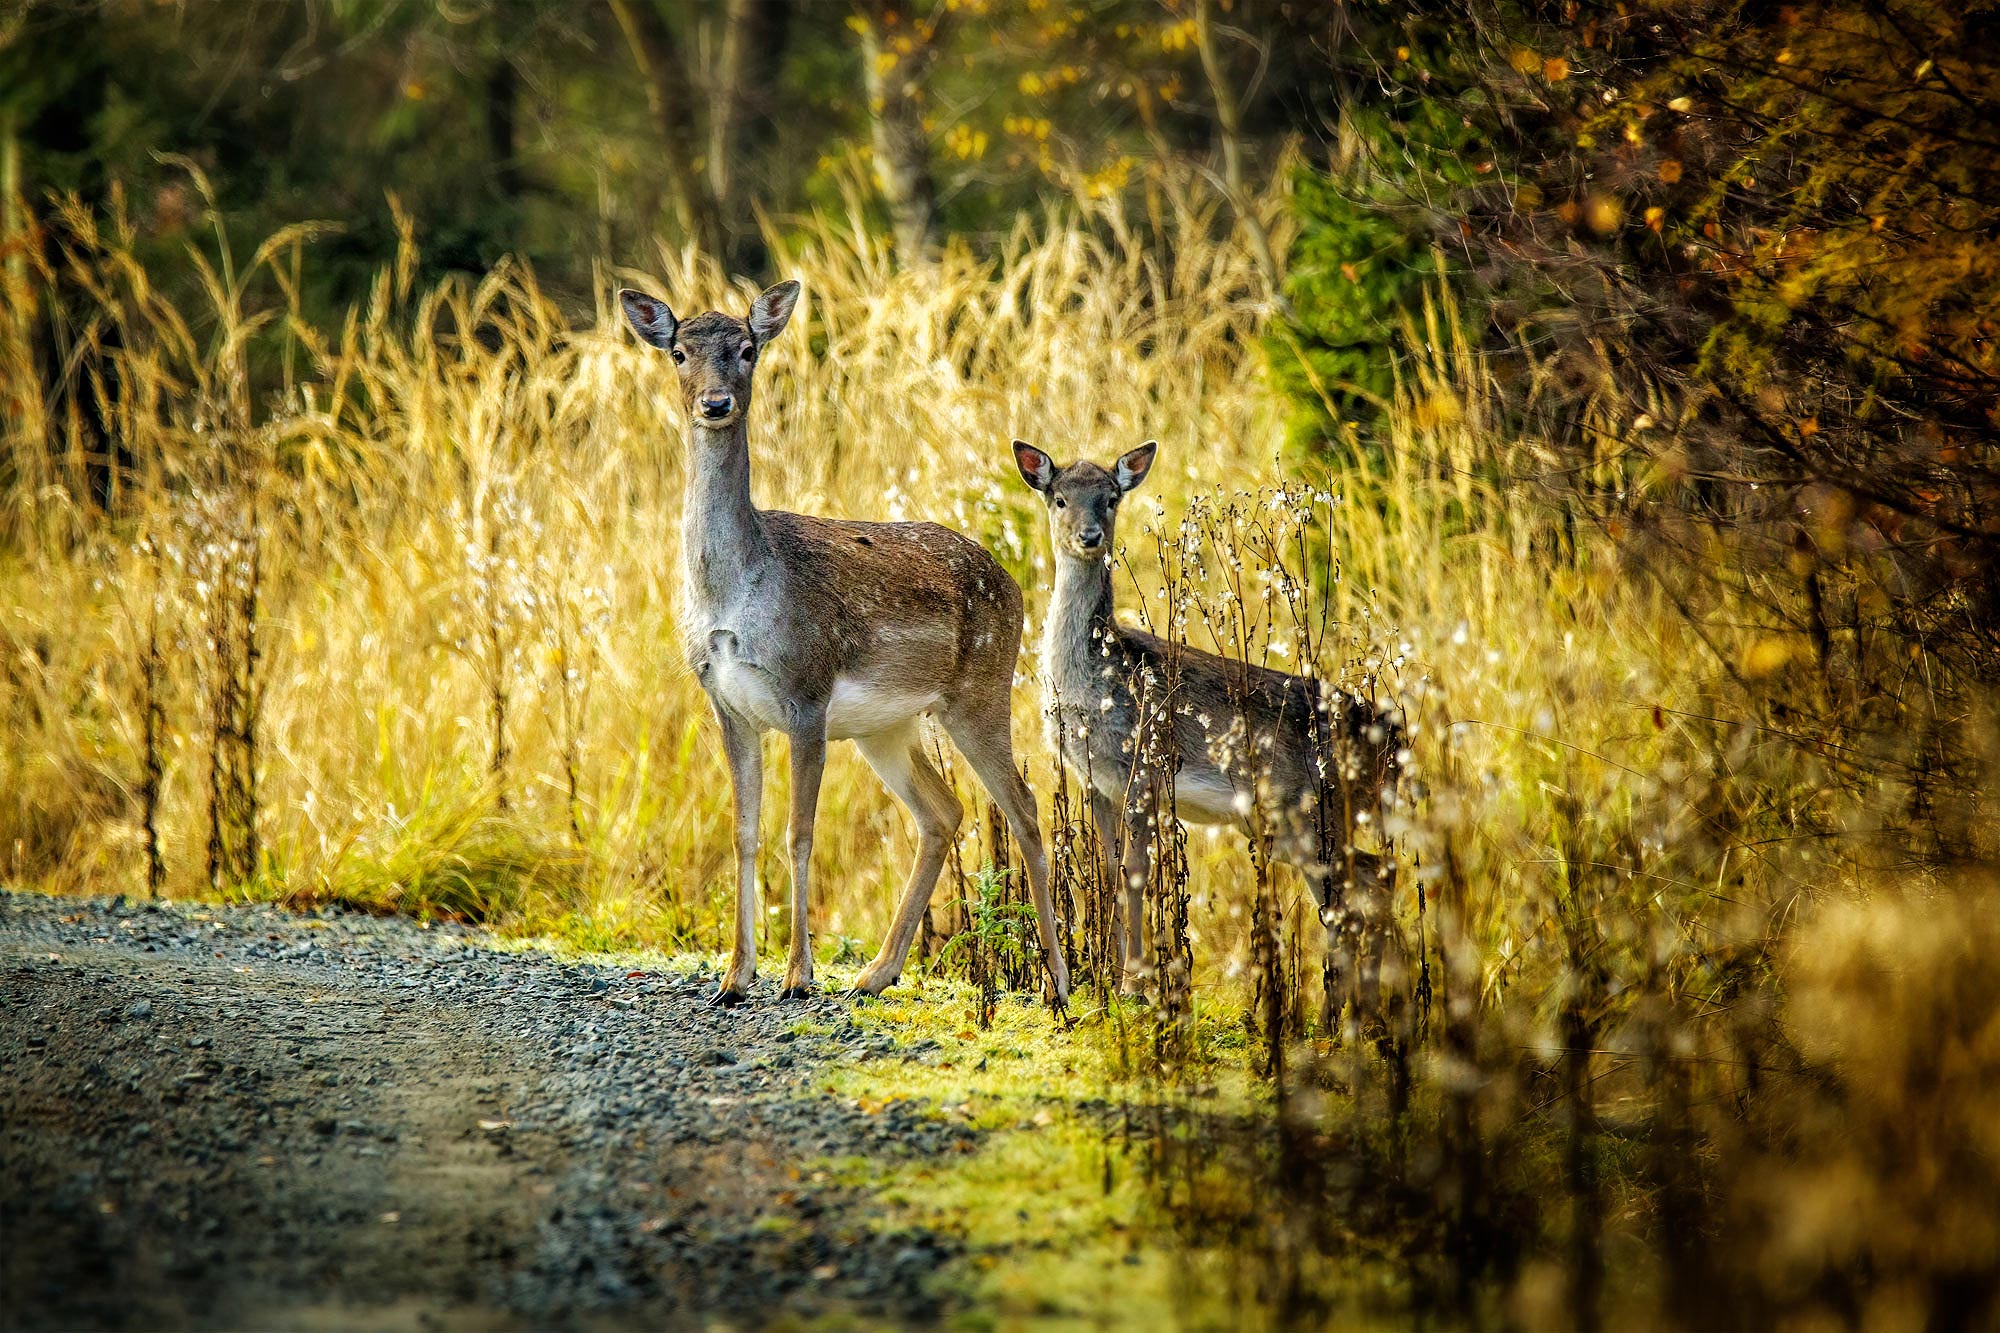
(237, 1117)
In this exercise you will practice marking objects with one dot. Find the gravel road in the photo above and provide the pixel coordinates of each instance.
(236, 1117)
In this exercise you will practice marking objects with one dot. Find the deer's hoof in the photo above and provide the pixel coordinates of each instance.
(728, 997)
(802, 991)
(871, 984)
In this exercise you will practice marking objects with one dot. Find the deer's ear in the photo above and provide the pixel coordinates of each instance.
(1037, 468)
(772, 309)
(1133, 467)
(649, 317)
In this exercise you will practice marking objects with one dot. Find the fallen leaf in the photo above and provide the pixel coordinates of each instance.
(492, 1125)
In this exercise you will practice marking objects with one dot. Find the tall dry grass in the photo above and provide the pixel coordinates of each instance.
(385, 614)
(464, 509)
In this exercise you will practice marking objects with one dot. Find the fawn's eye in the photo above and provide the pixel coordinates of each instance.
(680, 357)
(1061, 503)
(749, 353)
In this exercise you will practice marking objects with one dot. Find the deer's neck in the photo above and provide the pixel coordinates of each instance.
(1080, 623)
(722, 535)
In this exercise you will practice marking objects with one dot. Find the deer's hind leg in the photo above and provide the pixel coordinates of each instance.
(898, 759)
(985, 736)
(1355, 892)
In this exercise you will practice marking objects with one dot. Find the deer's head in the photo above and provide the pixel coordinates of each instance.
(714, 353)
(1083, 497)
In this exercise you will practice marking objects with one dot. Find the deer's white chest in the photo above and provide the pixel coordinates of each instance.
(730, 646)
(735, 680)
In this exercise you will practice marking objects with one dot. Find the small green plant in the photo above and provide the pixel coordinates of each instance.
(1002, 932)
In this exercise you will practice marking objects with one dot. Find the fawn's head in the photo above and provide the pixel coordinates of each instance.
(1083, 497)
(714, 353)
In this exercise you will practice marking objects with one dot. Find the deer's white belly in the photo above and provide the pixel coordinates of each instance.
(1205, 797)
(862, 706)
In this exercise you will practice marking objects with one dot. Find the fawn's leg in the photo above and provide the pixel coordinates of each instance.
(1105, 824)
(986, 739)
(1139, 817)
(1369, 890)
(745, 751)
(898, 759)
(808, 764)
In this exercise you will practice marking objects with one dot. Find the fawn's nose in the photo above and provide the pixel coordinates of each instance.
(1090, 538)
(717, 405)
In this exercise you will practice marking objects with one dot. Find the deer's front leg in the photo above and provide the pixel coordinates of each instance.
(808, 763)
(1138, 817)
(1107, 818)
(745, 751)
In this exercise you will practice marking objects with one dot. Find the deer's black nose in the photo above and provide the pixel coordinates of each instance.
(1090, 538)
(717, 405)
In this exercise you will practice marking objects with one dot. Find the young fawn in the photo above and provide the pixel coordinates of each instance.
(1285, 758)
(826, 629)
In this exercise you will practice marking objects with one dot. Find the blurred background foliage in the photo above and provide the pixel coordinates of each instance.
(559, 132)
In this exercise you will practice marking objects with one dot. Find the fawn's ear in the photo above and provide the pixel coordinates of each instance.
(772, 309)
(650, 318)
(1133, 467)
(1037, 468)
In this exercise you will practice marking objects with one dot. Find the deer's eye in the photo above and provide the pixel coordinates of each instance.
(1061, 503)
(680, 357)
(749, 353)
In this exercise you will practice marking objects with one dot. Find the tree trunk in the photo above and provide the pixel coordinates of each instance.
(896, 130)
(502, 82)
(14, 273)
(657, 57)
(753, 41)
(1229, 131)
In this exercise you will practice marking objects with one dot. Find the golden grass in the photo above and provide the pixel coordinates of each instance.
(464, 499)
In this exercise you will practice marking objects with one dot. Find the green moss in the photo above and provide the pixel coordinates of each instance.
(1052, 1207)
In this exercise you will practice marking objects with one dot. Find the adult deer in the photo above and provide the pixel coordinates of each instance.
(1285, 758)
(827, 629)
